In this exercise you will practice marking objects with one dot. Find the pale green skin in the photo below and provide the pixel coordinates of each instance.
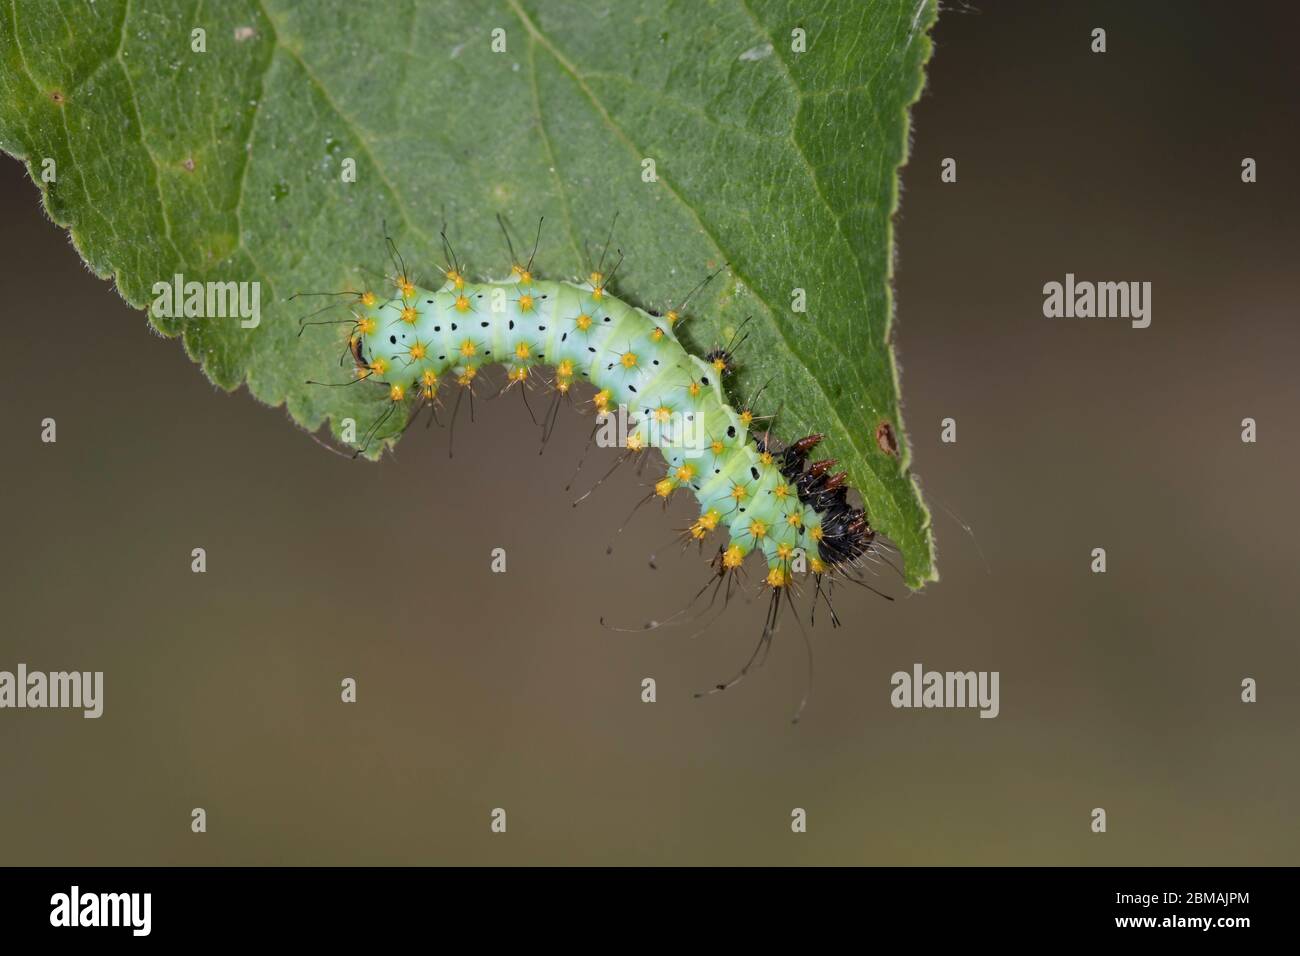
(661, 378)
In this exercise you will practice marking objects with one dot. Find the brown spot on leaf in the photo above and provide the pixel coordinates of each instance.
(57, 96)
(886, 440)
(189, 163)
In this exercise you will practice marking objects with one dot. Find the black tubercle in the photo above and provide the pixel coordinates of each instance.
(846, 533)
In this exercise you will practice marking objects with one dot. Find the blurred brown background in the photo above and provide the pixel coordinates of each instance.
(480, 690)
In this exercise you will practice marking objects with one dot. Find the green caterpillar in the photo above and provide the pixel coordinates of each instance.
(797, 516)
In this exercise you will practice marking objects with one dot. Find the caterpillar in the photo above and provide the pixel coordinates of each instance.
(765, 500)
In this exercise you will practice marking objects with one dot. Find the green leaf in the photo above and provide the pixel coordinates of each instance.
(226, 165)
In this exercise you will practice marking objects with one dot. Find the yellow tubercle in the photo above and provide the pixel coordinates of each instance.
(705, 523)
